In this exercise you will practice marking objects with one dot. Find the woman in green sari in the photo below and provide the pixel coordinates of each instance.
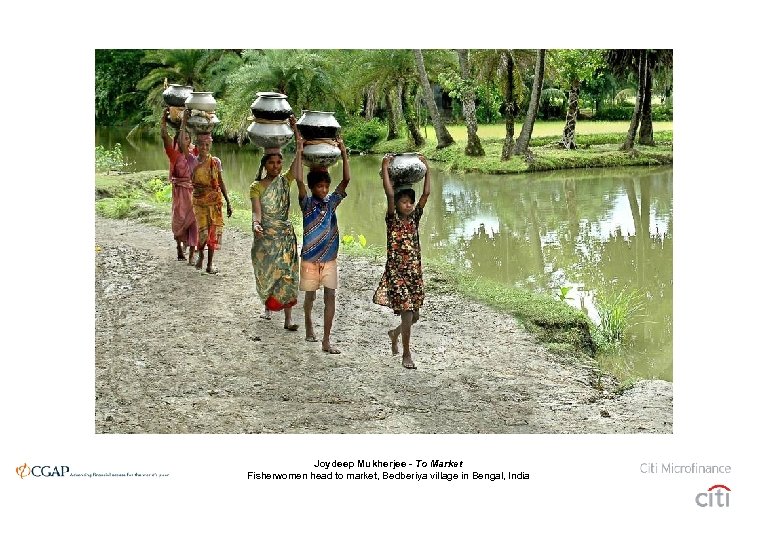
(275, 247)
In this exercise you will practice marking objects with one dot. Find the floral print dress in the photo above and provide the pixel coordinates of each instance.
(401, 285)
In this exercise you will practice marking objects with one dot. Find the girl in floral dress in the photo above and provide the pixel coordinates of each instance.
(401, 285)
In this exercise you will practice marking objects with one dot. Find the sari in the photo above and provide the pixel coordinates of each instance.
(275, 252)
(183, 223)
(207, 201)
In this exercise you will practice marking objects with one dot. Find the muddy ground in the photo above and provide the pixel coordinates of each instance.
(181, 351)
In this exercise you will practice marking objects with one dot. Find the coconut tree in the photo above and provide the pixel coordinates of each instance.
(572, 67)
(181, 66)
(467, 94)
(643, 63)
(521, 145)
(442, 134)
(504, 67)
(394, 73)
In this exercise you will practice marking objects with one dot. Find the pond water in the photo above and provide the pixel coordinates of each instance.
(586, 234)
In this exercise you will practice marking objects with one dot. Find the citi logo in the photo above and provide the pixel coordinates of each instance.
(714, 496)
(25, 470)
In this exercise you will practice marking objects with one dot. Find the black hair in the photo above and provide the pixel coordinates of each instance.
(405, 192)
(316, 176)
(263, 161)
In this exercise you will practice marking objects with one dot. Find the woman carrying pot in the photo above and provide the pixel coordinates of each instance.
(275, 247)
(207, 193)
(185, 229)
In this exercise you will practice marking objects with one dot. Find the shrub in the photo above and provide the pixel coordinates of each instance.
(111, 159)
(614, 113)
(662, 114)
(361, 135)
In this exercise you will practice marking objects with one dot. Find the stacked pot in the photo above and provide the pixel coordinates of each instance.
(202, 118)
(270, 127)
(319, 130)
(406, 169)
(174, 96)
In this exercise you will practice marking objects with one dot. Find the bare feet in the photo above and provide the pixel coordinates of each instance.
(291, 327)
(328, 348)
(311, 338)
(211, 270)
(407, 362)
(393, 341)
(266, 315)
(192, 255)
(199, 263)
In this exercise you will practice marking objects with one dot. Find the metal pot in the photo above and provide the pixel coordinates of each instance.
(269, 135)
(176, 94)
(202, 124)
(318, 125)
(320, 155)
(202, 101)
(271, 106)
(174, 116)
(406, 168)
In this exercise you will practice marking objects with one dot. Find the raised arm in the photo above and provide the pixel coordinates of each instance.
(426, 185)
(342, 187)
(388, 185)
(167, 141)
(297, 164)
(184, 148)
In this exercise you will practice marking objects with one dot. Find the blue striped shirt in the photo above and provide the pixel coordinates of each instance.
(320, 227)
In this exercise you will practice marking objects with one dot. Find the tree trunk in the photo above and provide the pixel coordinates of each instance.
(509, 107)
(646, 126)
(392, 124)
(407, 109)
(521, 145)
(473, 144)
(442, 135)
(569, 133)
(370, 108)
(628, 144)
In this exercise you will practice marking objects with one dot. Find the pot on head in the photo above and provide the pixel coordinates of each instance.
(320, 155)
(202, 101)
(271, 106)
(269, 135)
(176, 94)
(406, 168)
(318, 125)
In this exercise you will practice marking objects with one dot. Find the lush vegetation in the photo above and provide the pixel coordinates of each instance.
(379, 94)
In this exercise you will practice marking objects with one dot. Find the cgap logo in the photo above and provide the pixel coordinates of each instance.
(716, 498)
(25, 470)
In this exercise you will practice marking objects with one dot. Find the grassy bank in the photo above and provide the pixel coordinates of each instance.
(597, 146)
(145, 196)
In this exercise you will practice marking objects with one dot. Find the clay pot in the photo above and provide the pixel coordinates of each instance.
(406, 168)
(269, 135)
(202, 101)
(176, 94)
(202, 124)
(271, 106)
(174, 116)
(321, 155)
(318, 125)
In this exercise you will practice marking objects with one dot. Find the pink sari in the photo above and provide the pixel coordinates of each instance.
(183, 224)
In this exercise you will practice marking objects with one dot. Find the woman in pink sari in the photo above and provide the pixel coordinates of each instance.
(183, 224)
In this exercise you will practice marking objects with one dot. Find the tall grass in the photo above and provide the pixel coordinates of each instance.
(617, 313)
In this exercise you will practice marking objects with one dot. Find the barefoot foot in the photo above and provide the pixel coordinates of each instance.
(393, 341)
(328, 348)
(407, 362)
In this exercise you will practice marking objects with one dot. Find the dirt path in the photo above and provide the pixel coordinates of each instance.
(181, 351)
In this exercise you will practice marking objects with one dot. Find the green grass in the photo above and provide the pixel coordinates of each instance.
(543, 128)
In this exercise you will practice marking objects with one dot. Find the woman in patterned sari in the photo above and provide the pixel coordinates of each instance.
(275, 247)
(208, 190)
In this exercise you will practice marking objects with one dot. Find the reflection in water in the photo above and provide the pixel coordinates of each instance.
(595, 230)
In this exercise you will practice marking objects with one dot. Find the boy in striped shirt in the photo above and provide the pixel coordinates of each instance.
(321, 244)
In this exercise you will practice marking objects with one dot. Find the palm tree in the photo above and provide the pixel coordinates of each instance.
(643, 63)
(504, 67)
(473, 144)
(394, 73)
(573, 66)
(521, 145)
(180, 66)
(442, 134)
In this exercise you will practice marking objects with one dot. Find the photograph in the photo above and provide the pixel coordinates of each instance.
(289, 276)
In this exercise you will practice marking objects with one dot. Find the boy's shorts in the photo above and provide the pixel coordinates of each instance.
(315, 275)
